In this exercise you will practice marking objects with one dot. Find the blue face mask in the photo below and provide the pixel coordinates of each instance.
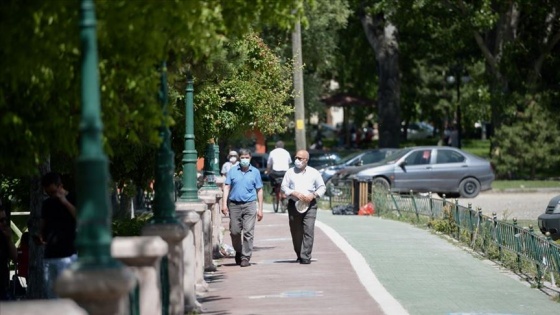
(245, 162)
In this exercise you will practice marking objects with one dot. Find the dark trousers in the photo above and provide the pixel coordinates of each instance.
(302, 228)
(242, 217)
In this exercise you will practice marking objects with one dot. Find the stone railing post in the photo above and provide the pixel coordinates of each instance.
(143, 255)
(217, 233)
(211, 198)
(173, 234)
(189, 213)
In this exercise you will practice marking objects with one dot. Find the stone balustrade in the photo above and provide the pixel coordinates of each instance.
(143, 255)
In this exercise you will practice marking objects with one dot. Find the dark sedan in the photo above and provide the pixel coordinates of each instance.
(442, 170)
(320, 159)
(356, 159)
(550, 220)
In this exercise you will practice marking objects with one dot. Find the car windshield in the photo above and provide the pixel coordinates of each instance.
(393, 157)
(349, 157)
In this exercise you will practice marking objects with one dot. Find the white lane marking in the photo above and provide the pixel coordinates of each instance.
(368, 279)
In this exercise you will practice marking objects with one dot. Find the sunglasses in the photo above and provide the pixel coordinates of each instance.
(300, 158)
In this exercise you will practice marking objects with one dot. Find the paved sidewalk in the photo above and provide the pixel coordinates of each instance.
(276, 284)
(406, 269)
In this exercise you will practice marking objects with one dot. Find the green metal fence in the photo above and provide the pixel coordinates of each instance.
(532, 255)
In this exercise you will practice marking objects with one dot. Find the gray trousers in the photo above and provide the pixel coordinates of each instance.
(302, 228)
(242, 219)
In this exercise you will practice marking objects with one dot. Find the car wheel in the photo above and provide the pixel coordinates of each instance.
(380, 183)
(469, 187)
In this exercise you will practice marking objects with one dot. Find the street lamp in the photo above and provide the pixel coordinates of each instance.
(456, 73)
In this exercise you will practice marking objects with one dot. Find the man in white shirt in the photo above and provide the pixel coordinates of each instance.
(278, 163)
(303, 185)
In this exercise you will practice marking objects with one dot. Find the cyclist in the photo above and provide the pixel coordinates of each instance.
(278, 163)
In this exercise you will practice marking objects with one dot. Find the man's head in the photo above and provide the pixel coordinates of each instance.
(233, 156)
(280, 144)
(51, 182)
(301, 159)
(244, 158)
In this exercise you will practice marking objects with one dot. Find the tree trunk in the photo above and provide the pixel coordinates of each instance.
(382, 36)
(35, 280)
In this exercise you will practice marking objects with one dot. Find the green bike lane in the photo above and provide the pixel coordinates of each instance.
(426, 273)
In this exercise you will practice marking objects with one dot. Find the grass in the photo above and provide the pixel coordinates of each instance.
(525, 184)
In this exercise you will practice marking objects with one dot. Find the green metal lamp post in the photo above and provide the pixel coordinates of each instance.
(216, 158)
(94, 215)
(164, 190)
(96, 272)
(209, 167)
(189, 191)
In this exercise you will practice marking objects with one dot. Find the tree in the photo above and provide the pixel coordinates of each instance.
(514, 156)
(40, 56)
(39, 62)
(382, 35)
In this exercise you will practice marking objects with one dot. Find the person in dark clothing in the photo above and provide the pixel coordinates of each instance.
(7, 252)
(58, 230)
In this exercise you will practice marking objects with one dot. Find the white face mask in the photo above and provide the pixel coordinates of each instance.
(233, 159)
(245, 162)
(298, 164)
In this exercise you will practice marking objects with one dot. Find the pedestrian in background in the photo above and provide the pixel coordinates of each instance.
(57, 230)
(8, 253)
(303, 185)
(233, 160)
(243, 201)
(278, 163)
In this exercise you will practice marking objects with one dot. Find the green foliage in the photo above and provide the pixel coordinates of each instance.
(130, 227)
(529, 146)
(246, 87)
(39, 68)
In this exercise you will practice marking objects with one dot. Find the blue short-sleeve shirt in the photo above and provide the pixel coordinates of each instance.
(243, 185)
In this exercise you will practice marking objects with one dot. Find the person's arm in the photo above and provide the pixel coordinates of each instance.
(39, 237)
(7, 231)
(269, 163)
(61, 195)
(225, 196)
(260, 199)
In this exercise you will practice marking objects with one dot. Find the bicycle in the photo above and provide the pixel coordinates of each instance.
(279, 200)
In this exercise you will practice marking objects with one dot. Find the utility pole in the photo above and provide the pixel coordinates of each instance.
(298, 88)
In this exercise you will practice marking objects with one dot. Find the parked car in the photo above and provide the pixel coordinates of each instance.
(259, 161)
(356, 159)
(549, 221)
(319, 159)
(442, 170)
(419, 130)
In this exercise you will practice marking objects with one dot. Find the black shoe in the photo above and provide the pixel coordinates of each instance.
(304, 261)
(245, 263)
(298, 259)
(238, 258)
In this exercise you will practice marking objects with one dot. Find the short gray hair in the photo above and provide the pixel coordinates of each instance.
(244, 152)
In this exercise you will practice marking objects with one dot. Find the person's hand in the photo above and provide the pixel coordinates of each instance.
(308, 197)
(225, 210)
(61, 193)
(38, 239)
(259, 215)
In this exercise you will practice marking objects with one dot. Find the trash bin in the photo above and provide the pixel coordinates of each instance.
(360, 193)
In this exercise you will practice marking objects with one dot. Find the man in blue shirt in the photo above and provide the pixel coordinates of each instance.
(242, 190)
